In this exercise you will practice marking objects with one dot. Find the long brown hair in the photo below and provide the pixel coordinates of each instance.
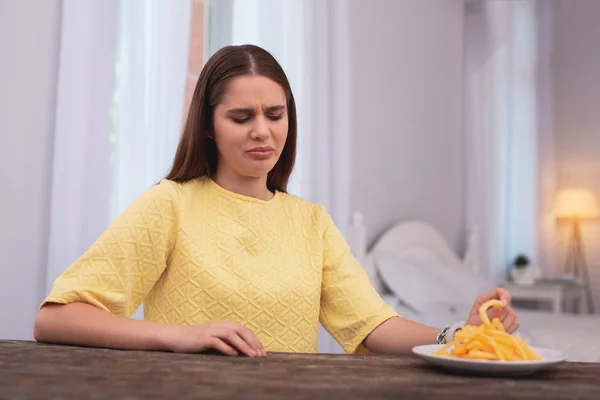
(196, 154)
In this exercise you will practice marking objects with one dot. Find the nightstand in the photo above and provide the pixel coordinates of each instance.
(558, 294)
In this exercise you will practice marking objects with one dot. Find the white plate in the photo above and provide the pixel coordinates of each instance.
(504, 368)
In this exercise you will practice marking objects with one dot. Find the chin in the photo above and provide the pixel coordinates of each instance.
(260, 170)
(257, 174)
(253, 172)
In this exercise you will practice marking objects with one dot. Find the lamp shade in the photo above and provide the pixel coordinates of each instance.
(576, 203)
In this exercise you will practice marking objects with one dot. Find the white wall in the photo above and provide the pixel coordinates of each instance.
(29, 37)
(407, 113)
(576, 71)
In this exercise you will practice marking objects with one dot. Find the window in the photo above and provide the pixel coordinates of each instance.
(160, 52)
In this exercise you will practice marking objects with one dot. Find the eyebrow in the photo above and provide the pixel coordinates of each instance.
(251, 110)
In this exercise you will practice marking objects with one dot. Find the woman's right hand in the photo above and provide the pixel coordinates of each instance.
(226, 337)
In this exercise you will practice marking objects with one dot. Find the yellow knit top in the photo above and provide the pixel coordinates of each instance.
(196, 252)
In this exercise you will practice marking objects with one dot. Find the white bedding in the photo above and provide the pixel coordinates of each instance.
(575, 335)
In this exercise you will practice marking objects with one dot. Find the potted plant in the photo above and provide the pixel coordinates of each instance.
(521, 272)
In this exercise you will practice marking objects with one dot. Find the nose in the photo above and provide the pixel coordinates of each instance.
(260, 130)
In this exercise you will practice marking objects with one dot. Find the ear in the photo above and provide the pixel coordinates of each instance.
(211, 133)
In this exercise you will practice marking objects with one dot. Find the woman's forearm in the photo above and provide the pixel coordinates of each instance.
(398, 336)
(86, 325)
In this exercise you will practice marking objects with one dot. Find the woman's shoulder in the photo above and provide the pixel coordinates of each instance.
(297, 200)
(181, 189)
(298, 205)
(168, 193)
(165, 188)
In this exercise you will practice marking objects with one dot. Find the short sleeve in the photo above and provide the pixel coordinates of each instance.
(122, 266)
(351, 308)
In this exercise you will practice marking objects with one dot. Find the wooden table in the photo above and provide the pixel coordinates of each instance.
(35, 371)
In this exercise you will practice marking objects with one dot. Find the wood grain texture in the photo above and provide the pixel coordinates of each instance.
(31, 370)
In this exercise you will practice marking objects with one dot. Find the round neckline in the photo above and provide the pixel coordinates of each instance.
(239, 196)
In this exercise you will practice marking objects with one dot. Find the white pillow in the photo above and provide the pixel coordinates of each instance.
(443, 313)
(469, 284)
(416, 285)
(429, 288)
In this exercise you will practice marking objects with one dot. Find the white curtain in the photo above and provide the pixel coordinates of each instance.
(501, 123)
(148, 110)
(151, 70)
(547, 172)
(81, 187)
(122, 73)
(310, 40)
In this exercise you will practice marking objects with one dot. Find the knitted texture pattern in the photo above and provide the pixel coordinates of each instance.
(196, 252)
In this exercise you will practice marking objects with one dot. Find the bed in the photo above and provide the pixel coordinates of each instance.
(416, 271)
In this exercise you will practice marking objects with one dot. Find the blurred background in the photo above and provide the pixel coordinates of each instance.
(459, 113)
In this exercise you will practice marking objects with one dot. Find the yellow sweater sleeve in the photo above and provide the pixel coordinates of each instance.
(351, 308)
(122, 266)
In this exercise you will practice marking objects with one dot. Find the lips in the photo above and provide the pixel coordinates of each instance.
(261, 152)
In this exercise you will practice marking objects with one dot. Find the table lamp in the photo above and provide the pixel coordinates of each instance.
(577, 205)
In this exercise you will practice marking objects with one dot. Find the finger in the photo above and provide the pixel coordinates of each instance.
(251, 339)
(496, 294)
(509, 319)
(496, 312)
(503, 296)
(507, 311)
(233, 339)
(513, 327)
(223, 347)
(248, 336)
(504, 313)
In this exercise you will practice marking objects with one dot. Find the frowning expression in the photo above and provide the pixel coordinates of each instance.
(250, 126)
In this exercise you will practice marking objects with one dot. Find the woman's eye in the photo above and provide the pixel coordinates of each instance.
(243, 120)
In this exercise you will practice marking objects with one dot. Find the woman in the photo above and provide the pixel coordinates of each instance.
(222, 257)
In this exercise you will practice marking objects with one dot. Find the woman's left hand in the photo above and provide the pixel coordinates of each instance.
(506, 315)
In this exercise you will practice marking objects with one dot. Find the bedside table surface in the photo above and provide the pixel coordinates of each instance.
(556, 293)
(574, 288)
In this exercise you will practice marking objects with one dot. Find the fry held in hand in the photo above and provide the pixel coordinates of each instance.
(488, 341)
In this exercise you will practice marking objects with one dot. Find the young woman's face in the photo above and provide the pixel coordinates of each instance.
(251, 126)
